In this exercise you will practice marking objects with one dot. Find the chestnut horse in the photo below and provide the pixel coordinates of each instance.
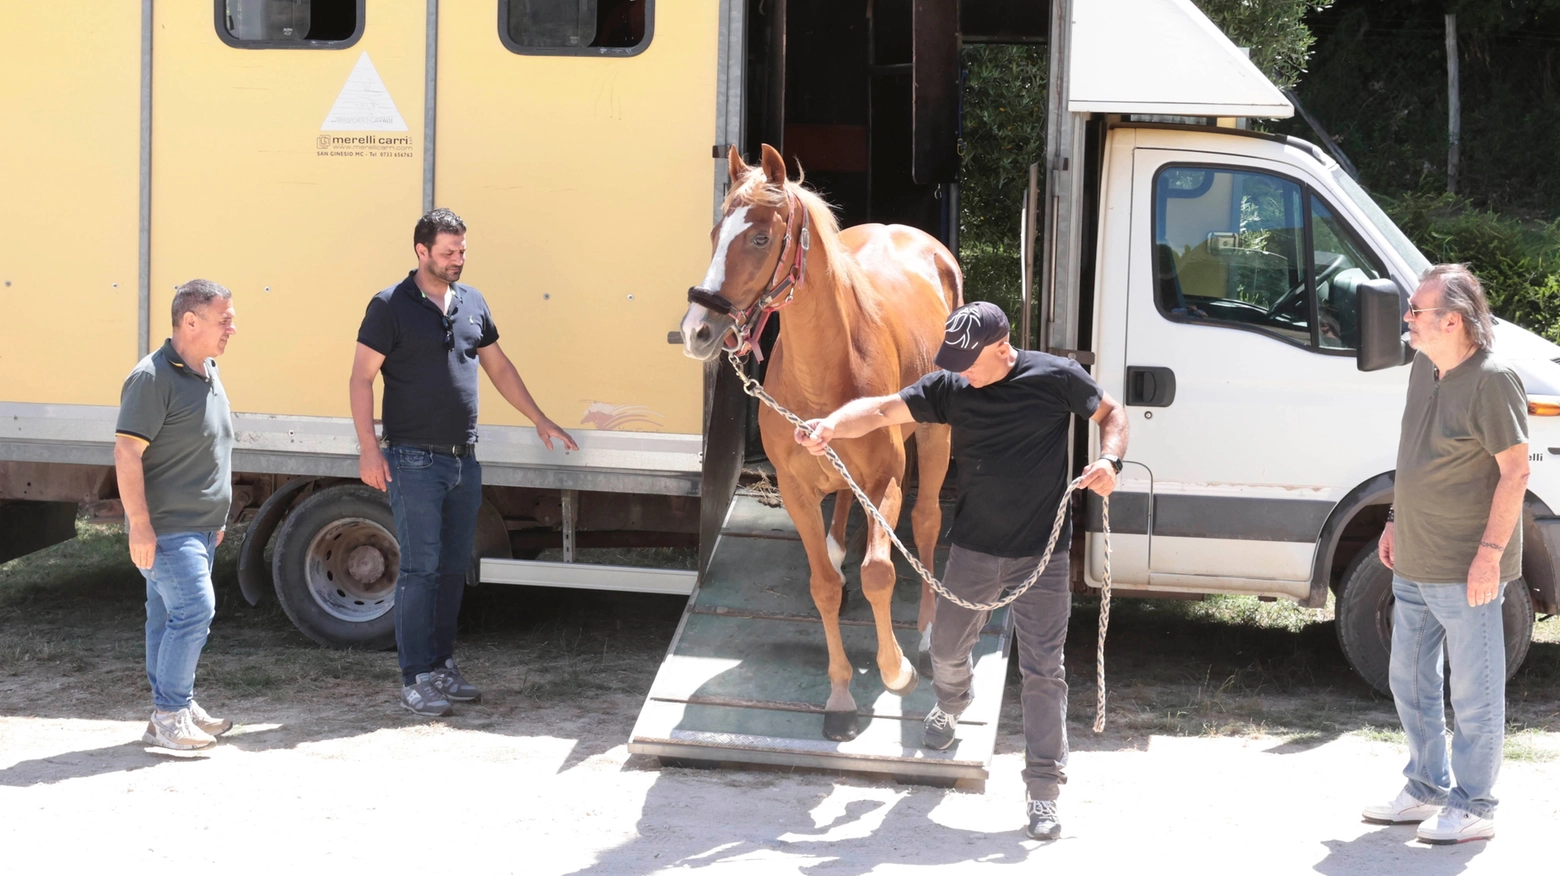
(866, 312)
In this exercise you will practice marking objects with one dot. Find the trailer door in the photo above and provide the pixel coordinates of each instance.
(574, 137)
(1240, 374)
(287, 165)
(70, 183)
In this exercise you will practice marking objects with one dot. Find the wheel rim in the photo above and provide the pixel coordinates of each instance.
(351, 569)
(1384, 618)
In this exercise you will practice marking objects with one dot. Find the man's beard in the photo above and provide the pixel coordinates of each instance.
(448, 275)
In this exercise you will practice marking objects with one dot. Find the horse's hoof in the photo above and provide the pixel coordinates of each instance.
(840, 726)
(923, 664)
(909, 688)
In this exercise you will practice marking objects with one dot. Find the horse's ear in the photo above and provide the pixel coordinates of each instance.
(737, 167)
(774, 166)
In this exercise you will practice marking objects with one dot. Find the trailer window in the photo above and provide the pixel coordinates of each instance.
(289, 24)
(1229, 247)
(575, 27)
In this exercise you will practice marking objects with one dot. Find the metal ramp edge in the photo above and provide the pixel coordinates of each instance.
(744, 679)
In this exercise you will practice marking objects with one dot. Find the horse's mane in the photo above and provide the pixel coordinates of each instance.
(755, 189)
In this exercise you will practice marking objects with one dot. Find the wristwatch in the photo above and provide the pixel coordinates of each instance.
(1115, 461)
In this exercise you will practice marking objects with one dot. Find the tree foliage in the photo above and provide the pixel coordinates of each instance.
(1004, 129)
(1378, 84)
(1003, 133)
(1274, 31)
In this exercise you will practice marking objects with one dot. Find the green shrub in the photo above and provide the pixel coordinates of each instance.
(1004, 132)
(1519, 262)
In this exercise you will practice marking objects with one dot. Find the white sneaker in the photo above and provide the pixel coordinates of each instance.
(176, 730)
(1451, 826)
(213, 726)
(1403, 809)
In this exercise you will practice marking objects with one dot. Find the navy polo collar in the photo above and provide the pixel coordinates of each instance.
(410, 287)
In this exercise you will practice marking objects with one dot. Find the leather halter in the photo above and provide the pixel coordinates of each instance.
(790, 271)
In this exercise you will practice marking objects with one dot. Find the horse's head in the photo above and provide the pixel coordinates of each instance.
(748, 244)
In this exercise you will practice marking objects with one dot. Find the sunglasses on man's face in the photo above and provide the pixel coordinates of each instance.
(1417, 312)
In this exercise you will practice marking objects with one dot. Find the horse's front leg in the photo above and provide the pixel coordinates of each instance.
(932, 445)
(840, 721)
(877, 584)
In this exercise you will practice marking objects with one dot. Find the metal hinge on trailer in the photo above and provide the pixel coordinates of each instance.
(1082, 357)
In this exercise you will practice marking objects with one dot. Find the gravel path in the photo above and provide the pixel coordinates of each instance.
(511, 789)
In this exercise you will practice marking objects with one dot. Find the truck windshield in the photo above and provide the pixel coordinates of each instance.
(1399, 241)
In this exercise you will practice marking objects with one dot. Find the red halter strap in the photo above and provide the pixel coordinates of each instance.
(750, 322)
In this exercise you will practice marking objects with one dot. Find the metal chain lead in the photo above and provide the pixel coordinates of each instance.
(756, 390)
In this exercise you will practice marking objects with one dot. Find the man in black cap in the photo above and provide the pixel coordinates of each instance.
(1010, 410)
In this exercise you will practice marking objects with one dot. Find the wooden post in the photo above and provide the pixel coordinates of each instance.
(1027, 222)
(1453, 107)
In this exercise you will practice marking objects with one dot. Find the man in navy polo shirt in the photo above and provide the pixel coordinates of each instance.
(426, 335)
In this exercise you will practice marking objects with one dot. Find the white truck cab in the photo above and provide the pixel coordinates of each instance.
(1242, 296)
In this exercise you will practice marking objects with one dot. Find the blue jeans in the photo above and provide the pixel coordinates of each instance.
(435, 498)
(1429, 621)
(179, 607)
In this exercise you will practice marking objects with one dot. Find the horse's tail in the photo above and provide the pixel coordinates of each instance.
(951, 278)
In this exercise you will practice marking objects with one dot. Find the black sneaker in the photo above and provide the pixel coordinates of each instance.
(937, 733)
(1044, 823)
(423, 697)
(453, 685)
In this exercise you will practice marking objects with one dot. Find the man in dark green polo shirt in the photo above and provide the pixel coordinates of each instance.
(173, 450)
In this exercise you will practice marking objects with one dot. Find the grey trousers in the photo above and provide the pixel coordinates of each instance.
(1040, 620)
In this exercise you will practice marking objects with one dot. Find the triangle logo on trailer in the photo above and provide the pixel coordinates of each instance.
(364, 103)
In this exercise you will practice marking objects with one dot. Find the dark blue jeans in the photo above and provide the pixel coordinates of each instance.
(435, 499)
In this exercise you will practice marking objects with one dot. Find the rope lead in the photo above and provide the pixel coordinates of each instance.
(754, 389)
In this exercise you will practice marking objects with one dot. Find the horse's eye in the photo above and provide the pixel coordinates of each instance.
(761, 240)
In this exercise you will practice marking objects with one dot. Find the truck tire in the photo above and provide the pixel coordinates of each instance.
(1364, 620)
(335, 567)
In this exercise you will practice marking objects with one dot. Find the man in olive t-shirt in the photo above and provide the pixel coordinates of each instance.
(1453, 540)
(173, 449)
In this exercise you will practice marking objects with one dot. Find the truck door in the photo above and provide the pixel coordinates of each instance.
(1240, 378)
(287, 165)
(574, 139)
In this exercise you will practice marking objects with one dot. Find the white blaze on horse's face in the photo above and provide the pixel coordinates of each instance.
(697, 344)
(730, 230)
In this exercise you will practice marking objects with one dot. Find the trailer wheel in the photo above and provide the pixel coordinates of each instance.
(1364, 620)
(335, 567)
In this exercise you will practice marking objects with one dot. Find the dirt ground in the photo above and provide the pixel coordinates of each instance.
(1238, 743)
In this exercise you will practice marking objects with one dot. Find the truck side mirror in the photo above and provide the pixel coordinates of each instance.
(1381, 305)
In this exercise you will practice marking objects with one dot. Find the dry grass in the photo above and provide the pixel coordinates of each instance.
(71, 643)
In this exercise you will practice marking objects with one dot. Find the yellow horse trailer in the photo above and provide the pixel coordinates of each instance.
(285, 148)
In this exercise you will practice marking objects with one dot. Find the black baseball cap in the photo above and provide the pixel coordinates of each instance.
(970, 329)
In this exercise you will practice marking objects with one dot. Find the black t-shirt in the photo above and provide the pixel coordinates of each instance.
(1010, 442)
(430, 383)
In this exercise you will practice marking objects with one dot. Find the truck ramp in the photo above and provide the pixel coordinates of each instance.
(745, 678)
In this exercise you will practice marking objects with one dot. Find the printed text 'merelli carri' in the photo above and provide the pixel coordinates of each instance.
(371, 141)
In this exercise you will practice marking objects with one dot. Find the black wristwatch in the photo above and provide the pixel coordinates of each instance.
(1115, 461)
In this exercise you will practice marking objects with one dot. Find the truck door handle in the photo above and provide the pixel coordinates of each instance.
(1150, 387)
